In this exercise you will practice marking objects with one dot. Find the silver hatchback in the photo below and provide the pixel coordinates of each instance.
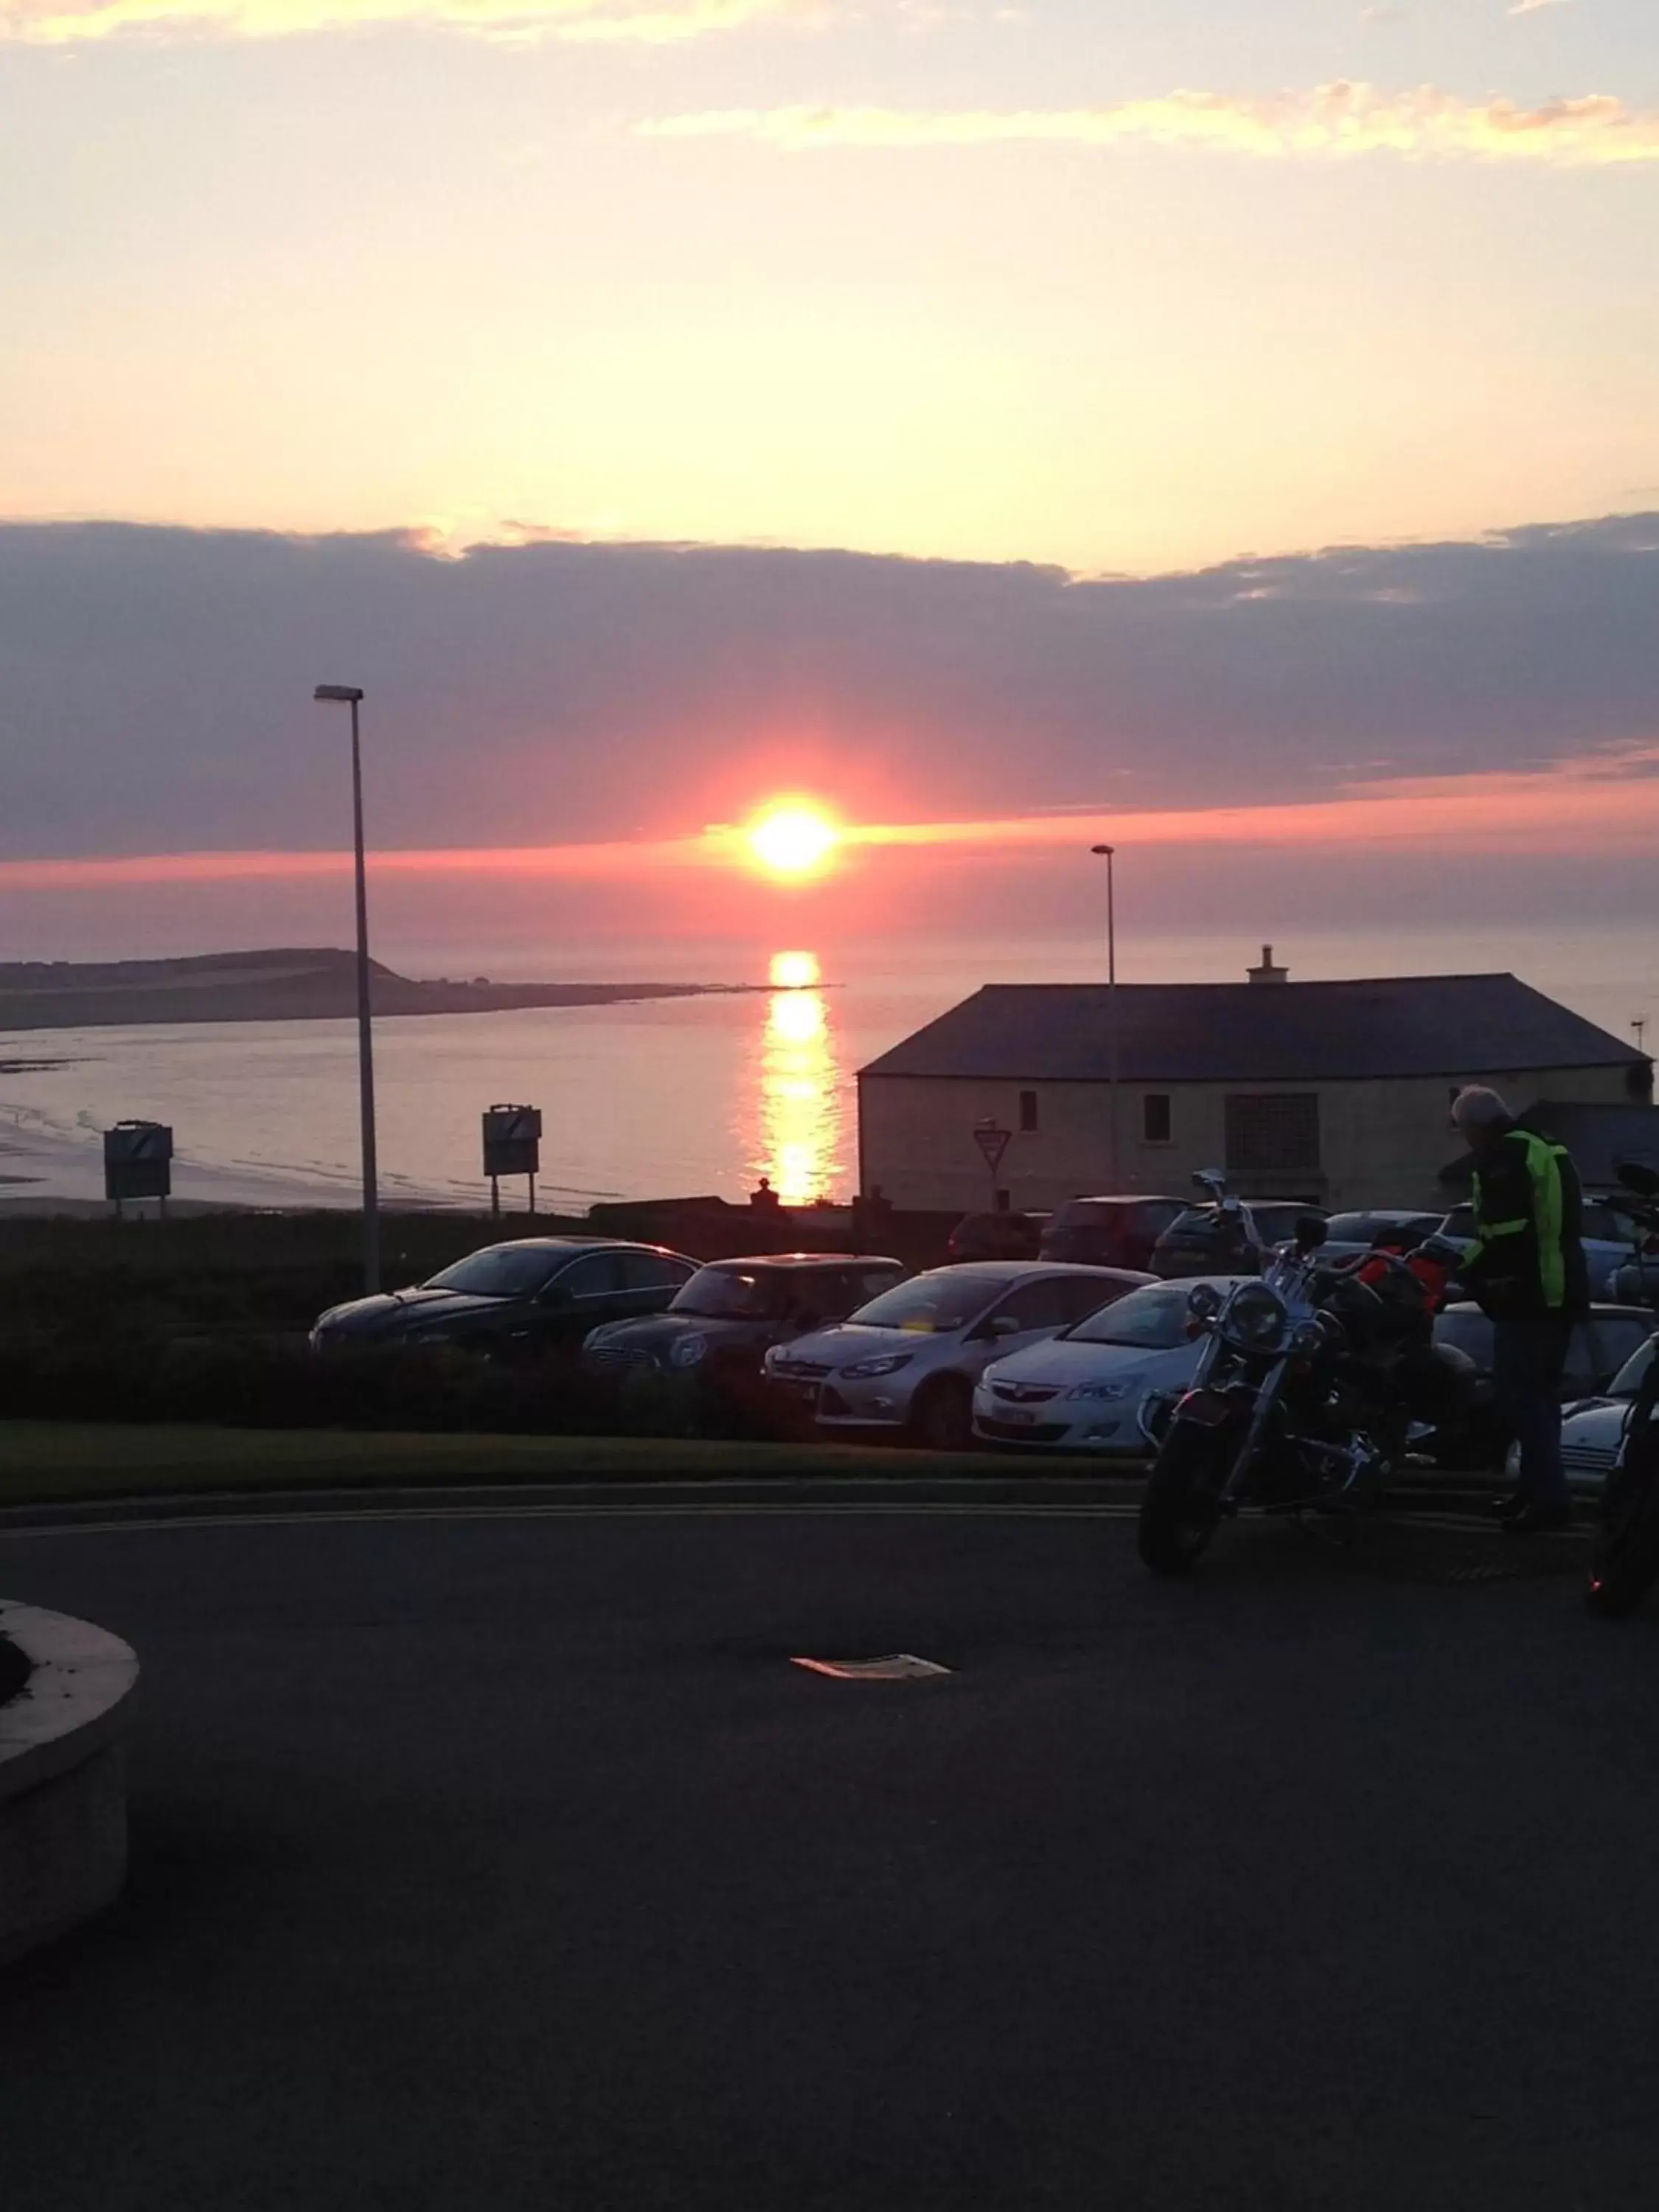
(909, 1359)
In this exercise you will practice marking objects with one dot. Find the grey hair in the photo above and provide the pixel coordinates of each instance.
(1478, 1108)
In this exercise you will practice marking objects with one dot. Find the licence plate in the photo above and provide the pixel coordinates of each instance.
(1019, 1415)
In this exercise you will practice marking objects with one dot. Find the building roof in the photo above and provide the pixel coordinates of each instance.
(1460, 1027)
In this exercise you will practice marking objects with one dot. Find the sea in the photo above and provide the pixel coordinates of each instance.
(642, 1099)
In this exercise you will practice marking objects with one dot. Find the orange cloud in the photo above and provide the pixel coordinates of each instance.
(1604, 805)
(575, 861)
(1328, 121)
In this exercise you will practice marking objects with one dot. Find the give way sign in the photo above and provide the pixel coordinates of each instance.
(992, 1142)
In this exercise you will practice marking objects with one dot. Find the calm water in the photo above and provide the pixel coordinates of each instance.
(702, 1095)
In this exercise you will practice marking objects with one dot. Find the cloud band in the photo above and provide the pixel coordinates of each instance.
(1328, 121)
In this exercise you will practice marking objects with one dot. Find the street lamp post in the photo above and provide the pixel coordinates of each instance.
(348, 694)
(1109, 853)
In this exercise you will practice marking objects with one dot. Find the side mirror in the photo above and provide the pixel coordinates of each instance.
(1002, 1325)
(1310, 1232)
(553, 1294)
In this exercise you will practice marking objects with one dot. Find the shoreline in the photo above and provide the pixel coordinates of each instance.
(43, 1173)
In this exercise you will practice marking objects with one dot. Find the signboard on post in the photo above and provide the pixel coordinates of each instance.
(137, 1162)
(992, 1142)
(512, 1147)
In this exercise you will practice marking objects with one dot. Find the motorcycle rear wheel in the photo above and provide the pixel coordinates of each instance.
(1624, 1563)
(1182, 1504)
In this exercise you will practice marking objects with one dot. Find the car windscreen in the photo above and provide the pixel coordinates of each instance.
(1204, 1222)
(1631, 1376)
(501, 1271)
(729, 1294)
(1604, 1226)
(1086, 1213)
(1469, 1333)
(1152, 1319)
(1365, 1228)
(933, 1305)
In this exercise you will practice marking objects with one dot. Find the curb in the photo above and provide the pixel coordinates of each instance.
(63, 1789)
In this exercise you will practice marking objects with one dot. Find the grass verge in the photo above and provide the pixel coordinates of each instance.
(51, 1462)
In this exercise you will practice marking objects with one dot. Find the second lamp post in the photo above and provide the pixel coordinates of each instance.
(1109, 853)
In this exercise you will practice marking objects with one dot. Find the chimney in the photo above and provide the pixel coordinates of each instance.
(1267, 973)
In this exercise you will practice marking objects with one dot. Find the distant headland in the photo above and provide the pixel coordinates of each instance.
(277, 986)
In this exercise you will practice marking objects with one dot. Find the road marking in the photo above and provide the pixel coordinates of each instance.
(727, 1509)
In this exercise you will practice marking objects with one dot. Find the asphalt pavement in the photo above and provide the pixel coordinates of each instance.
(507, 1861)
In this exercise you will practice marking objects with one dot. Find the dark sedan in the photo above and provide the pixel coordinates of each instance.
(721, 1325)
(995, 1236)
(535, 1297)
(1109, 1232)
(1394, 1229)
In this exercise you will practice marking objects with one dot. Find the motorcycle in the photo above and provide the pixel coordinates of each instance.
(1624, 1556)
(1305, 1395)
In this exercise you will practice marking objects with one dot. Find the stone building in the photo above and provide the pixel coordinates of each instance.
(1335, 1092)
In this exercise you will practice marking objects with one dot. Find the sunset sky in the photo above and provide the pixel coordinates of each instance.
(937, 409)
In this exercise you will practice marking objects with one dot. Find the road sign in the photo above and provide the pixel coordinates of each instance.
(138, 1160)
(511, 1140)
(992, 1142)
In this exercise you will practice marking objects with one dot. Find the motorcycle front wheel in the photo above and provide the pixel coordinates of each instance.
(1625, 1562)
(1183, 1502)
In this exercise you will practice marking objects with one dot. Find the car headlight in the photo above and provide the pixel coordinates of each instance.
(1256, 1318)
(889, 1363)
(688, 1351)
(1106, 1393)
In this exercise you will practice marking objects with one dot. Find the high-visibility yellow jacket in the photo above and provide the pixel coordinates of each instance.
(1528, 1257)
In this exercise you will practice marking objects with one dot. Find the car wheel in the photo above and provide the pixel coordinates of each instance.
(943, 1418)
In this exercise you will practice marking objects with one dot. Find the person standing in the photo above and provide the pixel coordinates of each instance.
(1526, 1270)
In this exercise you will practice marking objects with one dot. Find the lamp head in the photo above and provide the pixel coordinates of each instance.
(1105, 851)
(346, 694)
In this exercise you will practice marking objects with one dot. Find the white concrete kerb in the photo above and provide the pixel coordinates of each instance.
(63, 1797)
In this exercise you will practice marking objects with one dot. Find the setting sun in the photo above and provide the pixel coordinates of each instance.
(795, 971)
(792, 839)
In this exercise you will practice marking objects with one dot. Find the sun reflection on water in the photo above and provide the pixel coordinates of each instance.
(797, 1128)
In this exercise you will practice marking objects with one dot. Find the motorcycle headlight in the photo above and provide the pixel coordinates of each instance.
(889, 1363)
(1101, 1392)
(688, 1352)
(1204, 1302)
(1307, 1338)
(1255, 1319)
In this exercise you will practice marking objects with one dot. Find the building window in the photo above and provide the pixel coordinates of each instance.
(1269, 1135)
(1157, 1125)
(1028, 1113)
